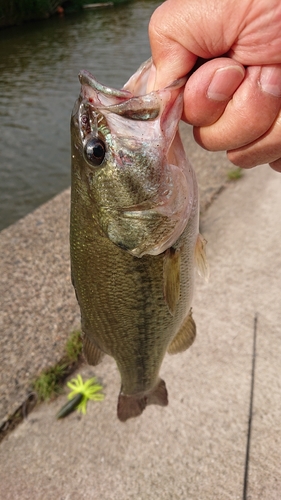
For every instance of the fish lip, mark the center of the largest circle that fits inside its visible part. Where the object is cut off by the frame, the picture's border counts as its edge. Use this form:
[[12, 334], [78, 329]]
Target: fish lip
[[86, 78]]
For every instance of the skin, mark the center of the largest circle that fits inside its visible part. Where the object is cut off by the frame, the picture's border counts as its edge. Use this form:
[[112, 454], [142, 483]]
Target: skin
[[233, 100]]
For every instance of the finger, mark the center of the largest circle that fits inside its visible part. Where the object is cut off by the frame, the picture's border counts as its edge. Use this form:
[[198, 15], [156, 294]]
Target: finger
[[266, 149], [276, 165], [173, 66], [209, 89], [181, 30], [249, 114], [171, 58]]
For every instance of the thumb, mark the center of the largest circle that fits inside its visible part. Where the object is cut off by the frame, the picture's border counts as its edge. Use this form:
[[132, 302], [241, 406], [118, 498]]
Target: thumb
[[171, 59]]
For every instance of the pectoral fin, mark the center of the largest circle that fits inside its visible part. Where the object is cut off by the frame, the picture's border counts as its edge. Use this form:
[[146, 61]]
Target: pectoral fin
[[91, 352], [200, 257], [171, 271], [185, 336]]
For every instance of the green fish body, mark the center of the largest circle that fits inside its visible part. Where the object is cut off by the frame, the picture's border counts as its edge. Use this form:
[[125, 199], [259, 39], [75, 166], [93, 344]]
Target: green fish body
[[134, 232]]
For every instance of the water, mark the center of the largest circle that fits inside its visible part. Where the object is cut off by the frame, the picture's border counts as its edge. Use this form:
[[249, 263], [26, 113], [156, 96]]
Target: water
[[39, 63]]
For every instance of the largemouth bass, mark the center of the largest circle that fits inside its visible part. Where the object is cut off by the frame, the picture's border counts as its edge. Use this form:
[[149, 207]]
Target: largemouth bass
[[134, 232]]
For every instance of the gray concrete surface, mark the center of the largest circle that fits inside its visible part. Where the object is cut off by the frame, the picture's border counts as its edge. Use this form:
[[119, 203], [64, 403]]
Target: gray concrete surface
[[38, 308], [195, 448]]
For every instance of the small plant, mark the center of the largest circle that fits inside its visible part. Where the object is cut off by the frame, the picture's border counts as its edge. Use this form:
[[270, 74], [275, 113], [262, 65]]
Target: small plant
[[74, 346], [80, 395], [234, 174], [48, 382]]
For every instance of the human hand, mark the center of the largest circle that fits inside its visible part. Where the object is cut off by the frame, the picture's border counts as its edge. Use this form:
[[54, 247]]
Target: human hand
[[231, 107]]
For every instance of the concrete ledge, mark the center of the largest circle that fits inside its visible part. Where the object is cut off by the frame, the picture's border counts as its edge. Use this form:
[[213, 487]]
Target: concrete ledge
[[38, 305]]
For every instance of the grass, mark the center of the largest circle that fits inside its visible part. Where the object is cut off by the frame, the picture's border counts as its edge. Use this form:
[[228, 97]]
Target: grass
[[74, 346], [234, 174], [49, 383]]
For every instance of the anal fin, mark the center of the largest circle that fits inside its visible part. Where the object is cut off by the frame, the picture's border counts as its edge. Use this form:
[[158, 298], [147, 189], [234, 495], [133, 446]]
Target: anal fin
[[91, 352], [185, 336]]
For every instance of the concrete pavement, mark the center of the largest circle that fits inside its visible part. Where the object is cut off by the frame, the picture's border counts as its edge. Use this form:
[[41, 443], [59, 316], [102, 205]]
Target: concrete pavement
[[195, 448]]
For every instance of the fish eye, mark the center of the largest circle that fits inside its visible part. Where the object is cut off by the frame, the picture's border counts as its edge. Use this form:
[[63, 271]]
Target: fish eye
[[95, 151]]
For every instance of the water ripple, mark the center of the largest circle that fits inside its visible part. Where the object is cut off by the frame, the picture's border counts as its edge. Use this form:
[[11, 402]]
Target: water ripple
[[39, 64]]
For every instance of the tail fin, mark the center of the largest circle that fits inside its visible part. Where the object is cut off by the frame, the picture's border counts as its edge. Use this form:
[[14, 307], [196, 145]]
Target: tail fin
[[130, 406], [159, 395], [133, 406]]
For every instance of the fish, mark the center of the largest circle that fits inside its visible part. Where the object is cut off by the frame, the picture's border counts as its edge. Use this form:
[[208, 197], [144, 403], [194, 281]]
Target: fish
[[134, 237]]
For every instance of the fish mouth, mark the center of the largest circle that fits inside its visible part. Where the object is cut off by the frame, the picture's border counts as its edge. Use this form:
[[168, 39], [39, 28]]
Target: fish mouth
[[134, 88], [122, 102], [132, 101]]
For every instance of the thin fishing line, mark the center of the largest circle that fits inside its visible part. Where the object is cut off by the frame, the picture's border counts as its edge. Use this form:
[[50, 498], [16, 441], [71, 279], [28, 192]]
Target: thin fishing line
[[248, 445]]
